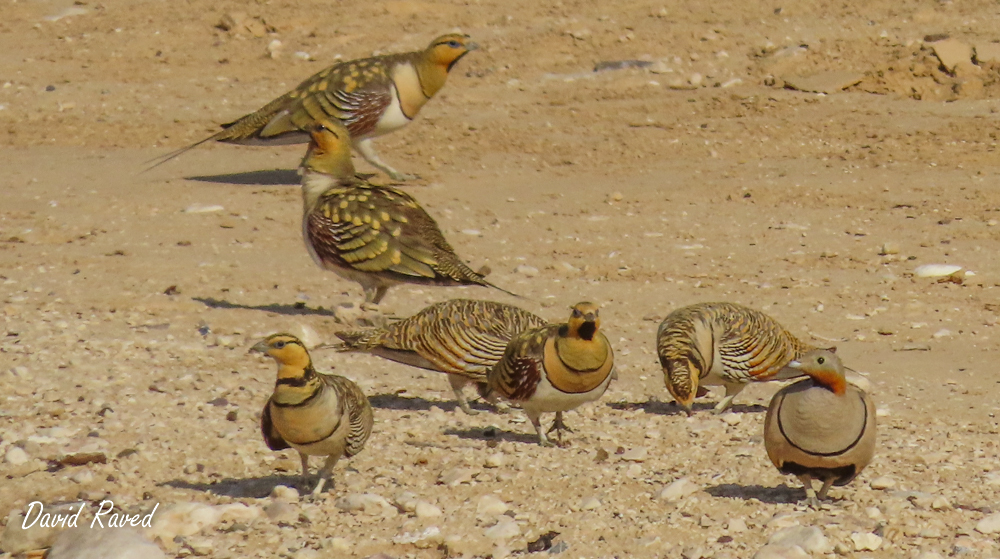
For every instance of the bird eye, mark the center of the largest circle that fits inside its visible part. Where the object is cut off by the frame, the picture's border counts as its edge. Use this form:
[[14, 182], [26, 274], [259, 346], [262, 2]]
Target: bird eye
[[821, 360], [577, 313], [454, 44], [279, 345]]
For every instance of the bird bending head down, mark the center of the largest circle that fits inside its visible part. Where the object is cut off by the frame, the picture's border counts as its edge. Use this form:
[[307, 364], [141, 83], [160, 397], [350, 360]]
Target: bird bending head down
[[329, 150]]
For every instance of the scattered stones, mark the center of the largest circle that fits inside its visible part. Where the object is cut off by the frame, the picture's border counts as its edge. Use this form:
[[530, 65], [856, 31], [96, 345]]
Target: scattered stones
[[16, 539], [778, 552], [285, 493], [951, 53], [824, 82], [368, 503], [637, 454], [282, 512], [118, 543], [989, 524], [737, 526], [678, 489], [426, 510], [731, 419], [866, 541], [987, 53], [504, 529], [455, 477]]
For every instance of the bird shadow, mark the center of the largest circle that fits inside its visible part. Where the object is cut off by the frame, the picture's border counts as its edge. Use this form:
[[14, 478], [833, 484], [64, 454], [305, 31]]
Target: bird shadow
[[771, 495], [492, 434], [397, 402], [657, 407], [297, 309], [269, 177], [251, 487]]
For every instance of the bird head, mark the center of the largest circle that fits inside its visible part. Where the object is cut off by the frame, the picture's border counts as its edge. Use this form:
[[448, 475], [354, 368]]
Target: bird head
[[329, 149], [824, 367], [286, 349], [446, 50], [584, 321], [681, 379]]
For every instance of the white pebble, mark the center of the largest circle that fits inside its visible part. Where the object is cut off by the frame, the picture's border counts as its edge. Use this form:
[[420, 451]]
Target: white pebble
[[737, 526], [989, 525], [590, 503], [82, 477], [865, 541], [427, 510], [202, 209], [15, 456], [637, 454], [678, 490], [527, 271], [490, 506], [731, 419], [504, 529], [883, 482]]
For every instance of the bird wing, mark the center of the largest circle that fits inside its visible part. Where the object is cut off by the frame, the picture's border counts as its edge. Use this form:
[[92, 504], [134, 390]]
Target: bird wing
[[271, 436], [754, 346], [356, 408], [517, 374], [383, 231]]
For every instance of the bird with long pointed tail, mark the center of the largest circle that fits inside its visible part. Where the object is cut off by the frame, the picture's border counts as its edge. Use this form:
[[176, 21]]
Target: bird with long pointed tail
[[464, 338], [722, 344], [370, 96], [555, 368], [821, 427], [316, 414], [376, 236]]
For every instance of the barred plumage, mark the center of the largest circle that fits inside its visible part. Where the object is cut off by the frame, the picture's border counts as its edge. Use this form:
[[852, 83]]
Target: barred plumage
[[316, 414], [462, 337], [821, 427], [722, 344], [374, 235], [555, 368], [370, 96]]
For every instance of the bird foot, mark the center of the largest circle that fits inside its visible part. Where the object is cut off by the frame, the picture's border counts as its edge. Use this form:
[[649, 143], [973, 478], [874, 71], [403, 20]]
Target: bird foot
[[402, 177]]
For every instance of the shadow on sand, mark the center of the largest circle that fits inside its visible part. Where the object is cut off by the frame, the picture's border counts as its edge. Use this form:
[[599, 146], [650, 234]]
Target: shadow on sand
[[297, 309], [251, 487], [271, 177], [671, 408], [771, 495]]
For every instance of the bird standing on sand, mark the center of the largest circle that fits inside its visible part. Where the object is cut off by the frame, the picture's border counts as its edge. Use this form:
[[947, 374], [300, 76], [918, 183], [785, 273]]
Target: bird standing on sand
[[820, 427], [370, 96], [373, 235], [317, 415], [461, 337], [555, 368], [722, 343]]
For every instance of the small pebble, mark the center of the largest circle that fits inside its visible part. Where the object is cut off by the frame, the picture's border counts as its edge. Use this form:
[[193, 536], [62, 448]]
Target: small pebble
[[15, 456], [883, 482], [527, 271], [866, 541], [427, 510]]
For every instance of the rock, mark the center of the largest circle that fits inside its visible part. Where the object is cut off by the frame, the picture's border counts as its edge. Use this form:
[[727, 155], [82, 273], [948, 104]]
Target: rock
[[117, 543], [989, 524], [590, 503], [737, 526], [731, 419], [307, 334], [203, 208], [677, 490], [489, 507], [936, 270], [369, 503], [15, 456], [82, 477], [16, 539], [637, 454], [406, 501], [778, 552], [307, 553], [951, 53], [274, 48], [940, 503], [823, 82], [809, 538], [282, 512], [238, 512], [504, 529], [865, 541], [430, 537], [201, 547], [987, 52], [858, 380], [527, 271], [495, 460], [285, 493], [183, 519], [455, 477], [929, 555], [882, 482], [340, 545], [427, 510], [692, 552]]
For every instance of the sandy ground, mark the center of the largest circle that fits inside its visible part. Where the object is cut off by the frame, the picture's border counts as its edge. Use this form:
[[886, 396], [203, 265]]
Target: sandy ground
[[641, 190]]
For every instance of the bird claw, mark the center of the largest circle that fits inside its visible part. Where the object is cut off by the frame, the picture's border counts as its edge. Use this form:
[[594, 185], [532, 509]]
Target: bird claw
[[402, 177]]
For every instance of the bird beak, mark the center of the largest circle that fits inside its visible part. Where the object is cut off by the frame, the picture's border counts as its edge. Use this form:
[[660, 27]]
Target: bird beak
[[472, 46], [794, 364], [590, 317], [259, 347]]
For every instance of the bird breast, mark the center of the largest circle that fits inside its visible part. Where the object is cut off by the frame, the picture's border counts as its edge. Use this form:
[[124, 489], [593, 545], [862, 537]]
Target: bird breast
[[577, 366], [819, 422]]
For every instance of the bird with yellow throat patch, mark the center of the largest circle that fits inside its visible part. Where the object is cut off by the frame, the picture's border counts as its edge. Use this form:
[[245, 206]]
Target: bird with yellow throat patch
[[370, 96], [555, 368], [723, 344], [377, 236], [316, 414]]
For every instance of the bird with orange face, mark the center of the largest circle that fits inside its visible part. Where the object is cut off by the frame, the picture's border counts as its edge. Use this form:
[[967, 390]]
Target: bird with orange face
[[555, 368], [370, 96]]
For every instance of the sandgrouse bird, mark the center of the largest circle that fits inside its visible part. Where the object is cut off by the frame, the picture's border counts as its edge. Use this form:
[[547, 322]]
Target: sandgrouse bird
[[722, 344], [462, 337], [374, 235], [370, 96], [820, 427], [317, 415], [555, 368]]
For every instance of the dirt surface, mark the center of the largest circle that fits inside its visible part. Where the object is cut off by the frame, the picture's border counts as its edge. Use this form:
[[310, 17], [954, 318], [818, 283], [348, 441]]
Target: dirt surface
[[699, 177]]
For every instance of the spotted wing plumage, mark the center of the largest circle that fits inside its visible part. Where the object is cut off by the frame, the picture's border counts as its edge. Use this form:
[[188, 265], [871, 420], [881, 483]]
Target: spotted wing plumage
[[356, 409], [383, 231], [517, 374]]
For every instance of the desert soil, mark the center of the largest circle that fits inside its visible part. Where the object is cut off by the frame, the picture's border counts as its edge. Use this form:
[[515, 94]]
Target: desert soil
[[127, 314]]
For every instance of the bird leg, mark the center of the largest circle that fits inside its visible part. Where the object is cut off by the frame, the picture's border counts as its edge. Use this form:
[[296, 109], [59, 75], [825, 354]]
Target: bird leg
[[457, 383], [559, 426], [811, 499], [325, 474], [731, 391], [534, 417], [367, 150], [827, 482], [304, 480]]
